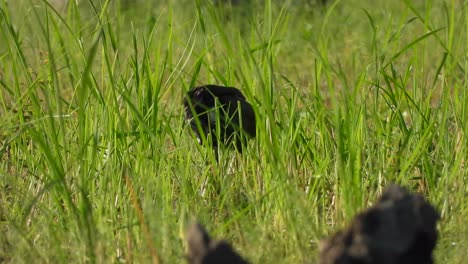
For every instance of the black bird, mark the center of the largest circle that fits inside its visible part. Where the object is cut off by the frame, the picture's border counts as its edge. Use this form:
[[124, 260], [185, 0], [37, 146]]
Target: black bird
[[210, 106]]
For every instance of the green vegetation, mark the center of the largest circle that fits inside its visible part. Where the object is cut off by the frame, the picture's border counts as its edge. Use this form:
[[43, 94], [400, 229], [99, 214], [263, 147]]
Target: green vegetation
[[98, 166]]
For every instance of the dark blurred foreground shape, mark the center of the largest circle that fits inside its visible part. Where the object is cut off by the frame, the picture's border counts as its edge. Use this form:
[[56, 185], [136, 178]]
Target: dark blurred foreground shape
[[399, 229], [208, 107], [204, 250]]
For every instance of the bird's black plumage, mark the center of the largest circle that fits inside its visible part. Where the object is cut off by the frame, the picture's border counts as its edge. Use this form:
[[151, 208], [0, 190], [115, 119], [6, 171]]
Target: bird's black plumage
[[208, 106]]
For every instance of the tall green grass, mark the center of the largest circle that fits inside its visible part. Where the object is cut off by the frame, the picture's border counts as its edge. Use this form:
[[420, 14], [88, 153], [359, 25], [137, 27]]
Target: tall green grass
[[97, 164]]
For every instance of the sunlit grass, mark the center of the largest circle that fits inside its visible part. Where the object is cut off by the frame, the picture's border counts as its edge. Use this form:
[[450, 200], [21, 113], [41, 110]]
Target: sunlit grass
[[97, 164]]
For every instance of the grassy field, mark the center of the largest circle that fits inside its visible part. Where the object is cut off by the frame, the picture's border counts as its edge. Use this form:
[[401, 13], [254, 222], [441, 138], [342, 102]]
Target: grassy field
[[98, 166]]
